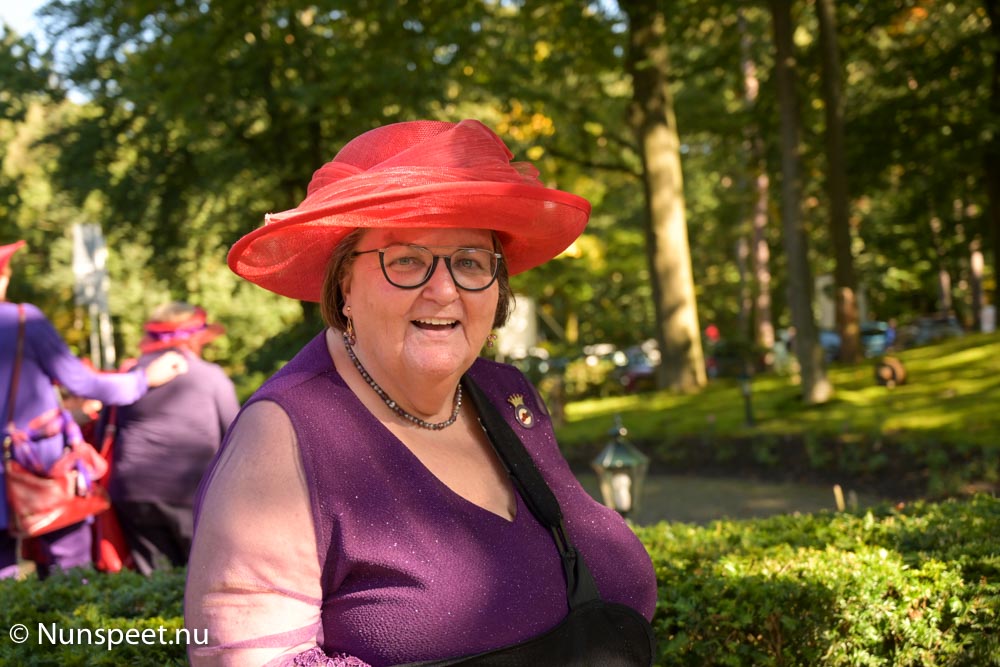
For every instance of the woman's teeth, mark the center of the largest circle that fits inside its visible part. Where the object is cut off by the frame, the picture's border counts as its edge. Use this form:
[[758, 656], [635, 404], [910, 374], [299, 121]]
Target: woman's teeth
[[434, 323]]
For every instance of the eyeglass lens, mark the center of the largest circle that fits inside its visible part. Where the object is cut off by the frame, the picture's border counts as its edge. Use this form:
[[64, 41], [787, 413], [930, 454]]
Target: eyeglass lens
[[411, 266]]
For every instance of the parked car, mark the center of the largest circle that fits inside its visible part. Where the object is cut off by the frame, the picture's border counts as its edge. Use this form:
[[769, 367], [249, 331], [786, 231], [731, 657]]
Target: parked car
[[875, 338], [830, 341], [929, 329], [637, 367]]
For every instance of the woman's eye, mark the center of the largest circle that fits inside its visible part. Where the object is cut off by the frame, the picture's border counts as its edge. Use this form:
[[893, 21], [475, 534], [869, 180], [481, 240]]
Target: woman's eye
[[408, 262], [472, 263]]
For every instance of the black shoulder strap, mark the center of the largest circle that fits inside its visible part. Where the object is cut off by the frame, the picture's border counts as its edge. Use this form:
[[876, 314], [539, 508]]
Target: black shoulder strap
[[537, 495], [510, 449]]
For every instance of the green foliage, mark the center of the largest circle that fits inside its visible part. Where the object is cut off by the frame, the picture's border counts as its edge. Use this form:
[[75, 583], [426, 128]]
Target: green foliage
[[584, 379], [25, 74], [86, 614], [190, 121], [912, 585]]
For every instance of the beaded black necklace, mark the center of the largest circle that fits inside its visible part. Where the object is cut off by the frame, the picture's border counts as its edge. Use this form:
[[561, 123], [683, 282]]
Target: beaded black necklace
[[395, 406]]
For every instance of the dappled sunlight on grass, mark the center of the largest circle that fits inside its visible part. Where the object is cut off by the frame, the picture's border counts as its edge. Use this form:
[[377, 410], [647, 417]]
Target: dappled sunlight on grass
[[952, 394], [975, 355], [606, 406]]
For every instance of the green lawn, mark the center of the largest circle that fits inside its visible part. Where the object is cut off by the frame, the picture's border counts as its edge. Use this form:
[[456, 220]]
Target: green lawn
[[950, 404]]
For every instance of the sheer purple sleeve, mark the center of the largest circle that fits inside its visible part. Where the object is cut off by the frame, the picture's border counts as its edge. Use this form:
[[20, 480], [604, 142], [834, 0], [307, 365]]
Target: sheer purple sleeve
[[253, 584]]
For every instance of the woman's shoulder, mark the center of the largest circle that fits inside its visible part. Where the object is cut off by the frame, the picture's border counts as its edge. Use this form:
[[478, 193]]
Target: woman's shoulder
[[31, 311], [506, 384], [210, 369], [486, 370], [264, 417], [36, 325]]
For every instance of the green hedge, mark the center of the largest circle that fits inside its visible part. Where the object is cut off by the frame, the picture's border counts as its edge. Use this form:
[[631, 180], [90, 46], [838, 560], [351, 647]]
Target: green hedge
[[93, 611], [916, 585]]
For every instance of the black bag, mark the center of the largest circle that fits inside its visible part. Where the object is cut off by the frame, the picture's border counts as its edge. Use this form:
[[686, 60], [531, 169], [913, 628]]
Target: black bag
[[595, 632]]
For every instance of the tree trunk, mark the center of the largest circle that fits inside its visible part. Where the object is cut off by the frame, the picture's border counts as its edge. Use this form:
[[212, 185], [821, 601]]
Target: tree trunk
[[944, 301], [991, 157], [651, 117], [976, 284], [945, 305], [761, 253], [816, 388], [845, 281], [762, 263], [746, 290]]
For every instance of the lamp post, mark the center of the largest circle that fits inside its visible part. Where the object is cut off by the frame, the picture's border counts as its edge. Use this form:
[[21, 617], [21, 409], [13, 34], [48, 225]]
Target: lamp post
[[746, 390], [621, 471]]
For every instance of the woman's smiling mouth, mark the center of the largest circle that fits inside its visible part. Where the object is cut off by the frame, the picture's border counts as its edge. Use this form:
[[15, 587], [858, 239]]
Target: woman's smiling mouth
[[435, 324]]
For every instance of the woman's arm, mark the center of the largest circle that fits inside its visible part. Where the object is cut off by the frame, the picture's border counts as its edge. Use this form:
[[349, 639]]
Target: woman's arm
[[53, 356], [254, 575]]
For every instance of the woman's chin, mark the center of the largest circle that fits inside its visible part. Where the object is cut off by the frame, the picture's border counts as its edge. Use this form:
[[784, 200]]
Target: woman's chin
[[439, 361]]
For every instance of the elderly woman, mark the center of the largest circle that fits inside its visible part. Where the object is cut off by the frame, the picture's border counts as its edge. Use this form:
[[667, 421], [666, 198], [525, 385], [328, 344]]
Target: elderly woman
[[165, 440], [378, 501], [30, 345]]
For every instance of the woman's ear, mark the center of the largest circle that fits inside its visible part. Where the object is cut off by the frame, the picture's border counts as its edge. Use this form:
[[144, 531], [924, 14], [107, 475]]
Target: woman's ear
[[345, 294]]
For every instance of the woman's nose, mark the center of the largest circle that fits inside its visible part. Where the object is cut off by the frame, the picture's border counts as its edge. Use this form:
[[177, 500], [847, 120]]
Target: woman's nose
[[441, 285]]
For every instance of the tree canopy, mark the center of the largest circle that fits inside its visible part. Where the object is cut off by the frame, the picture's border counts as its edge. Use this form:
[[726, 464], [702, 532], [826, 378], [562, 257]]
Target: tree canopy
[[177, 126]]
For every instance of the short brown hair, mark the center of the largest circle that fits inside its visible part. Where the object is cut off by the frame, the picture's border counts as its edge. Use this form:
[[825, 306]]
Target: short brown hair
[[339, 265]]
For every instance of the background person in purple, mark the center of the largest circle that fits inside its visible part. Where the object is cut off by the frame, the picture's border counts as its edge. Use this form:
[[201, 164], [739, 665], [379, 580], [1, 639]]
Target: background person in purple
[[165, 440], [357, 512], [47, 359]]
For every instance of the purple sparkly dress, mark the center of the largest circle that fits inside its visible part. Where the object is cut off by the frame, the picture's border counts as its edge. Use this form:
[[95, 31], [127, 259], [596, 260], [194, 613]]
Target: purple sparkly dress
[[411, 570]]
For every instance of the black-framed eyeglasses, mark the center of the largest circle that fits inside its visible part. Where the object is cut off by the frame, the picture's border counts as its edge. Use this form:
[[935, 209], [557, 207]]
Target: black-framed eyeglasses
[[410, 266]]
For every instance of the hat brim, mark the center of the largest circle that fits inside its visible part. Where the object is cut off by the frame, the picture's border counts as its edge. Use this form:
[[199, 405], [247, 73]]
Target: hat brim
[[289, 255], [7, 251], [200, 338]]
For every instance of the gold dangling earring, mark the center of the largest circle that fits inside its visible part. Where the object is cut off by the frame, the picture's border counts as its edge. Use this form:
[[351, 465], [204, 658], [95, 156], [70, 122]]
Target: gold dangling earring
[[352, 337], [491, 340]]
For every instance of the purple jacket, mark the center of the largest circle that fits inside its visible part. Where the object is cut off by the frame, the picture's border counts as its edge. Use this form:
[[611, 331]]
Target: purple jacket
[[412, 571], [167, 438], [47, 359]]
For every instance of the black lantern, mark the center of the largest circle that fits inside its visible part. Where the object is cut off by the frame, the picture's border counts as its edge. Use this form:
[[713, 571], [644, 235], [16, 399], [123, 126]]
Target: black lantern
[[621, 471]]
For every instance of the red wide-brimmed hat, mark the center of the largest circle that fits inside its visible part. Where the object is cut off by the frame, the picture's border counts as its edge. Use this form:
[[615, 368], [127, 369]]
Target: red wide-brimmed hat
[[194, 331], [417, 175], [7, 251]]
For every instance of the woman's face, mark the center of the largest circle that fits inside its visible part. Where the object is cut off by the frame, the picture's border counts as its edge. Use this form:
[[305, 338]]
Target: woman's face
[[436, 329]]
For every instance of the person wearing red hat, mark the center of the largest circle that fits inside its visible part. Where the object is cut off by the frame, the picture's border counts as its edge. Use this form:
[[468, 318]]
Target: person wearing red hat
[[44, 359], [389, 496], [165, 440]]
